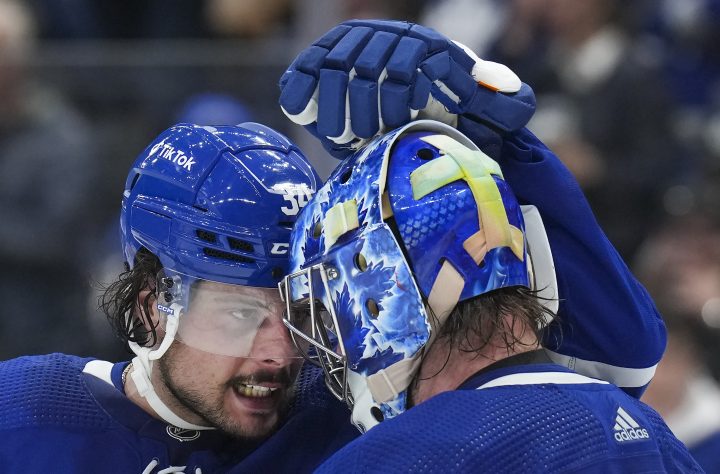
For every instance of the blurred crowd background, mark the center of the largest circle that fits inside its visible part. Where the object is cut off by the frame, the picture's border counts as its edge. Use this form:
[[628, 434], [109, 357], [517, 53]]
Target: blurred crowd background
[[628, 95]]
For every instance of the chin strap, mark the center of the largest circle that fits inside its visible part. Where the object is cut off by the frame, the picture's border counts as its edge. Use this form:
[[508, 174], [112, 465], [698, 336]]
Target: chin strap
[[142, 366], [141, 377]]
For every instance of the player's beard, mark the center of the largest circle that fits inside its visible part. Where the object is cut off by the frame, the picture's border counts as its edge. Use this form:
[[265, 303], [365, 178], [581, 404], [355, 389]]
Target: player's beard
[[207, 400]]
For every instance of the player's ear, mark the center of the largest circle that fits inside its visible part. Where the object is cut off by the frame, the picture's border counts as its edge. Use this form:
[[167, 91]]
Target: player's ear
[[146, 310]]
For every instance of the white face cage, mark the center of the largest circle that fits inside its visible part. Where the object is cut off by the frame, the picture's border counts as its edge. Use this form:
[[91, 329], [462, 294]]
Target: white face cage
[[311, 318]]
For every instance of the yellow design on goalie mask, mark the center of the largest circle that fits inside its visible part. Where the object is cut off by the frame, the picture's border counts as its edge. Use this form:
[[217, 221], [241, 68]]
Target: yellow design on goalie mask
[[340, 218], [477, 169]]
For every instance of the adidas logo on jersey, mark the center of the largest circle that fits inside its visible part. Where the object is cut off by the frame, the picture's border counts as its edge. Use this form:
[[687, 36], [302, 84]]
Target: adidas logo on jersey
[[627, 429]]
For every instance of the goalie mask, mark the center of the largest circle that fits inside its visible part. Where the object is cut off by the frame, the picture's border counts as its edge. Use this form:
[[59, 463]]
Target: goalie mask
[[402, 231], [215, 205]]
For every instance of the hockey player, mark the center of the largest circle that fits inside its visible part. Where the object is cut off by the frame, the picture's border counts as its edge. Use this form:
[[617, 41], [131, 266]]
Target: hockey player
[[205, 223], [415, 287], [419, 280]]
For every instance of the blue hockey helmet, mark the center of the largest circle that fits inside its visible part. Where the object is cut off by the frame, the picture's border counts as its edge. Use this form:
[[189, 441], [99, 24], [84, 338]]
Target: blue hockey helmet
[[416, 222], [217, 203]]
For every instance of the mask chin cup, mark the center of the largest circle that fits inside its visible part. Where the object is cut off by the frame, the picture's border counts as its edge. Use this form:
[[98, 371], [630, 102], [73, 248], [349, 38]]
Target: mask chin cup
[[363, 406], [543, 278]]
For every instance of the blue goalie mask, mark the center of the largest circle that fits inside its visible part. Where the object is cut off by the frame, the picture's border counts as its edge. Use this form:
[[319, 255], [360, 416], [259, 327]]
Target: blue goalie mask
[[216, 206], [402, 231]]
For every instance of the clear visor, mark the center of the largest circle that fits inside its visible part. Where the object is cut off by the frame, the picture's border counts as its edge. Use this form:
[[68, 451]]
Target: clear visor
[[225, 319], [310, 316]]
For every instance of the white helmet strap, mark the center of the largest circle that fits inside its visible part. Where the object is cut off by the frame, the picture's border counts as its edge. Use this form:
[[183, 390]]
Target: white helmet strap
[[142, 366]]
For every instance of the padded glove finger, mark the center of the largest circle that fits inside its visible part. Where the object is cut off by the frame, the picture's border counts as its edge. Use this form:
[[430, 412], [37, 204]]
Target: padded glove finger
[[365, 77]]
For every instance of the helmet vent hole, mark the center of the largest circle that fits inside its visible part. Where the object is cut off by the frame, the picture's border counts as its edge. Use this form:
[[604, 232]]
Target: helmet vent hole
[[360, 262], [425, 154], [346, 176], [215, 253], [277, 273], [372, 307], [317, 230], [240, 245], [134, 181], [206, 236], [377, 413]]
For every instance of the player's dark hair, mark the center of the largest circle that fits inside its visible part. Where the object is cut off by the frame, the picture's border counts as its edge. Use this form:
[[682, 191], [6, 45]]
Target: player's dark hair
[[129, 317], [496, 316]]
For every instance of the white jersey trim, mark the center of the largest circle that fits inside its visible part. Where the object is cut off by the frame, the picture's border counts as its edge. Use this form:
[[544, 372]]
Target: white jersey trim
[[537, 378], [100, 369], [620, 376]]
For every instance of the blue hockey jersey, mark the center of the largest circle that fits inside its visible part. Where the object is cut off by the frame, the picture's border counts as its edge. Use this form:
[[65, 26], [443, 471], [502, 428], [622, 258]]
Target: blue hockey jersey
[[707, 453], [527, 418], [54, 417]]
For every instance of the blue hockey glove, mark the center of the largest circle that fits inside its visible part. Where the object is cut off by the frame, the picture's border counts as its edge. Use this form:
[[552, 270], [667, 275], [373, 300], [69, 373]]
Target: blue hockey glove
[[366, 77]]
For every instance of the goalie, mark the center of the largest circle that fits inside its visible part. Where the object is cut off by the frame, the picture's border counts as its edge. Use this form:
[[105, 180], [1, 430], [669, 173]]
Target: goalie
[[415, 282]]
